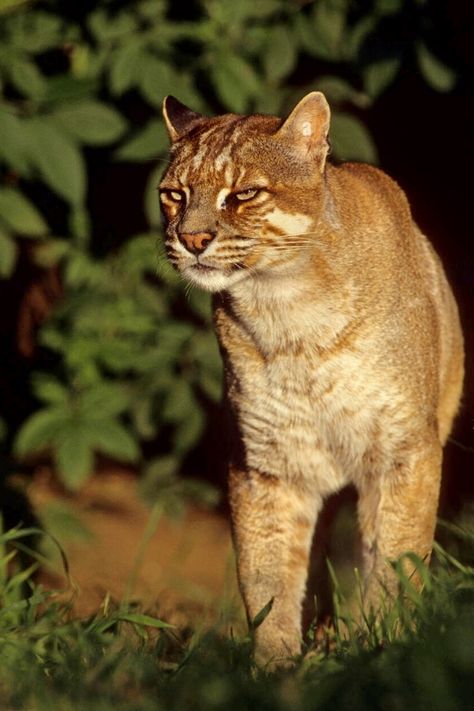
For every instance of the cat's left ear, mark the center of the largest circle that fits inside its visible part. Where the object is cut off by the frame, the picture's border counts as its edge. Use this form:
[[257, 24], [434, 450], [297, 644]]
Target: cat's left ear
[[178, 118], [307, 127]]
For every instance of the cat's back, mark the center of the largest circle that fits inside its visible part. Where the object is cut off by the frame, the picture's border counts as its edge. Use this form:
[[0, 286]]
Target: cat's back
[[401, 266], [390, 252], [370, 201]]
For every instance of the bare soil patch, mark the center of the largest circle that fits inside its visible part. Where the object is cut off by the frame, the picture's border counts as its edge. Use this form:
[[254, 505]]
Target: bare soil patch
[[185, 573]]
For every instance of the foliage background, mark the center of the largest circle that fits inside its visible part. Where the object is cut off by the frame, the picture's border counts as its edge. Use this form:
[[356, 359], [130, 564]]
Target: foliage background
[[102, 351]]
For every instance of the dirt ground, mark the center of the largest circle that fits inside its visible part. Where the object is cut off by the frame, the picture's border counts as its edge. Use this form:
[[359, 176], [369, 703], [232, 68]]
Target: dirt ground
[[183, 571]]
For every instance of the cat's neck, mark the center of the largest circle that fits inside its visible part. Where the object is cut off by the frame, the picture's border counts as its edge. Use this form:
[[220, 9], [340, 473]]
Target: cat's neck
[[300, 304]]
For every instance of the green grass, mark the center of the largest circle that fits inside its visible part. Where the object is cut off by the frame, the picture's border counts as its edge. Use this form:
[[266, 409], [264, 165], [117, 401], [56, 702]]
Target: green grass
[[420, 655]]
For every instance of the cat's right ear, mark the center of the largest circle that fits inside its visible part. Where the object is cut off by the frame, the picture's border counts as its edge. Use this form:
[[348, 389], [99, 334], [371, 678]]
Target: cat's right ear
[[178, 118], [306, 128]]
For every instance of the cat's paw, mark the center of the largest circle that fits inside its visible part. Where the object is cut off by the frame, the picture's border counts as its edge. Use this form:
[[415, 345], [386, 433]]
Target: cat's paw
[[275, 652]]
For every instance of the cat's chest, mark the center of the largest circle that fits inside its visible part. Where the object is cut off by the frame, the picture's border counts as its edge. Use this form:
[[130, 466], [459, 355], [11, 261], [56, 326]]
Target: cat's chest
[[300, 391], [303, 416]]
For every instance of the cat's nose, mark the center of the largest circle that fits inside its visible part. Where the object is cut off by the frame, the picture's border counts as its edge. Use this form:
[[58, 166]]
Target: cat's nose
[[196, 242]]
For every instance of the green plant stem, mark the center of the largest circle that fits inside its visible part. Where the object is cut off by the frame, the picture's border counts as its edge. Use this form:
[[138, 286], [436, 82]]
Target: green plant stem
[[150, 530]]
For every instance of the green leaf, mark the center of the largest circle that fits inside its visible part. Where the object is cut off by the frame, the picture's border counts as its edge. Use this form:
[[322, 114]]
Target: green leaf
[[38, 431], [146, 145], [139, 255], [179, 403], [42, 31], [235, 81], [144, 620], [81, 270], [174, 335], [104, 400], [388, 7], [58, 159], [13, 146], [379, 75], [356, 36], [113, 439], [90, 121], [66, 87], [211, 385], [156, 79], [50, 252], [329, 21], [108, 26], [200, 302], [437, 74], [85, 63], [20, 214], [60, 520], [80, 224], [73, 455], [189, 431], [124, 66], [280, 54], [7, 5], [260, 616], [269, 101], [351, 140], [120, 356], [143, 416], [8, 254], [238, 13], [304, 33], [50, 390], [161, 469], [26, 77]]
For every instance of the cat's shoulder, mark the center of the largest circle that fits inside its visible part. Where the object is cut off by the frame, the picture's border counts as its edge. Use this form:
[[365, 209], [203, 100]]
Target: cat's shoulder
[[372, 187], [368, 176]]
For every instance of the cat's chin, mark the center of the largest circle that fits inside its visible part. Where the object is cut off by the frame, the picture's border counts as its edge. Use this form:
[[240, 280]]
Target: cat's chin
[[212, 279]]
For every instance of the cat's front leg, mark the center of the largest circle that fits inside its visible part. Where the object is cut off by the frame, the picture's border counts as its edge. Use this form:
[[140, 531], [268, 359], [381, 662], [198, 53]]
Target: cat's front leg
[[273, 523]]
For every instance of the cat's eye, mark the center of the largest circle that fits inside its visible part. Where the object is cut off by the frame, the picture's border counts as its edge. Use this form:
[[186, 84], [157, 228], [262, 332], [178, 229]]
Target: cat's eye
[[173, 195], [247, 194]]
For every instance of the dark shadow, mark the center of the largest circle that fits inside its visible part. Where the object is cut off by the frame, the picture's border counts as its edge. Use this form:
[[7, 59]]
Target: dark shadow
[[336, 538]]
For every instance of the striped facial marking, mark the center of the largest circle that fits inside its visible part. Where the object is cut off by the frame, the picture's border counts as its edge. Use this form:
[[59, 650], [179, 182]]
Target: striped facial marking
[[289, 223], [221, 198], [220, 183]]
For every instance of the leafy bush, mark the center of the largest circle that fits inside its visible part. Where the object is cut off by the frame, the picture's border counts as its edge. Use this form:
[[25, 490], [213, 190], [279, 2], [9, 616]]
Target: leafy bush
[[128, 360]]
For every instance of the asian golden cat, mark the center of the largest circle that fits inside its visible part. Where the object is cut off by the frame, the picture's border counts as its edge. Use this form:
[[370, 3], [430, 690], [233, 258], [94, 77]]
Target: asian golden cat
[[341, 341]]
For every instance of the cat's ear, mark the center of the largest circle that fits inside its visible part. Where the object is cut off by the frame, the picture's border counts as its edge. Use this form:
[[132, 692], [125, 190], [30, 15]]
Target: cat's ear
[[307, 127], [178, 118]]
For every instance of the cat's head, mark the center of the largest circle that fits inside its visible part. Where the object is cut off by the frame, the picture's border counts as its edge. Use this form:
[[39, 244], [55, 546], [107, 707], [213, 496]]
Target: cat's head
[[242, 194]]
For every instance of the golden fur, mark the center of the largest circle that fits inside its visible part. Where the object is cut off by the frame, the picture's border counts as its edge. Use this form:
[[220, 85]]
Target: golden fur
[[341, 340]]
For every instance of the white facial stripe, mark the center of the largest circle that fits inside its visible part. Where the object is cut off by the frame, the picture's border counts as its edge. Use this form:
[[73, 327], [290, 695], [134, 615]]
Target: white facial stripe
[[200, 154], [289, 223], [221, 196], [184, 175], [228, 174], [223, 159]]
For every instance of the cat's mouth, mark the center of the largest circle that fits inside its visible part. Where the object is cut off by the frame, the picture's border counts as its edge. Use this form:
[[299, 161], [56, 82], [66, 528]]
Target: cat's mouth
[[203, 268], [211, 277]]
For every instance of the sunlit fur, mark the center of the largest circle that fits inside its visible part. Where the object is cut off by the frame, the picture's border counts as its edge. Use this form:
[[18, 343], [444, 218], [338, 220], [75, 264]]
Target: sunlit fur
[[341, 340]]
